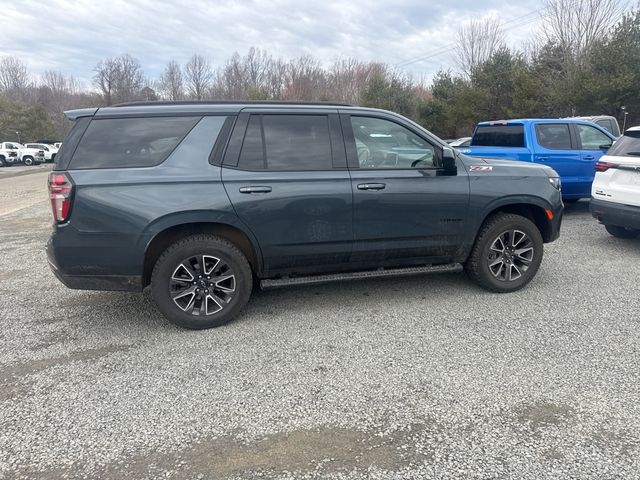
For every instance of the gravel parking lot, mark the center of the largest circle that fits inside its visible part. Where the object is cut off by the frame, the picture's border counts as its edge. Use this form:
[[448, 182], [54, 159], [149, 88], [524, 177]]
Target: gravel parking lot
[[423, 377]]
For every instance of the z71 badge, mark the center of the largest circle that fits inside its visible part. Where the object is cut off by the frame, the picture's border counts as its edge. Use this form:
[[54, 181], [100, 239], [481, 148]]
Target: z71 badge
[[480, 168]]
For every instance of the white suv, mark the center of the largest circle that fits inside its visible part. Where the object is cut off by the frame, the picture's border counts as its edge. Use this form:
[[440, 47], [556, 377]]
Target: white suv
[[615, 194]]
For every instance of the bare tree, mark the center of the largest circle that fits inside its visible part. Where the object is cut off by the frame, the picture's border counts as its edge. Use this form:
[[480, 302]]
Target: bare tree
[[119, 79], [171, 83], [199, 76], [477, 41], [574, 26], [14, 76]]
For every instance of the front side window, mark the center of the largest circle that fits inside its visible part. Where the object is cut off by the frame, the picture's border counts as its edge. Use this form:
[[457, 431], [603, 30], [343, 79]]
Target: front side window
[[385, 144], [591, 138], [554, 136], [130, 142], [287, 142]]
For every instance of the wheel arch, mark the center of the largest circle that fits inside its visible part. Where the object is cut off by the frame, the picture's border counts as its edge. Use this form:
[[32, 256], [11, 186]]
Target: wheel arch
[[172, 233], [531, 208]]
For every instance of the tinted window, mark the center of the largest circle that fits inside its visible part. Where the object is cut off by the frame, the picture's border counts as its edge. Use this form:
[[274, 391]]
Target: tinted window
[[554, 136], [70, 142], [130, 142], [252, 153], [591, 138], [291, 142], [499, 136], [384, 144], [626, 146]]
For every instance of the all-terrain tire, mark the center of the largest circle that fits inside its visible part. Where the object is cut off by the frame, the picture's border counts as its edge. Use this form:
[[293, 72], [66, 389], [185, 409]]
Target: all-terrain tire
[[192, 248], [482, 255]]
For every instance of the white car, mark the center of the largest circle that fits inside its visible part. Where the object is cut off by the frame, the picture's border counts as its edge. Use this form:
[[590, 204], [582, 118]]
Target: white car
[[50, 151], [28, 156], [615, 194], [8, 157]]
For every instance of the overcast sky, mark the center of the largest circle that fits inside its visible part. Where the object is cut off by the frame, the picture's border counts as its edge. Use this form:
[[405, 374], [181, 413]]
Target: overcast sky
[[72, 36]]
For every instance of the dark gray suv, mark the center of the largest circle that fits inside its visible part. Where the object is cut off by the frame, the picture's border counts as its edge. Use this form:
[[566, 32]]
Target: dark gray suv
[[200, 201]]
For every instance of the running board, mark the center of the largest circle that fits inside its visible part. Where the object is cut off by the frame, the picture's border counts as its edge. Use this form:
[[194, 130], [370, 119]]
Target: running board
[[338, 277]]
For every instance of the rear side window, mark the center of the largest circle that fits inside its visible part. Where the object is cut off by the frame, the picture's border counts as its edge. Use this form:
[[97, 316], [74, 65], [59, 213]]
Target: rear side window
[[554, 136], [498, 136], [626, 146], [287, 142], [130, 142]]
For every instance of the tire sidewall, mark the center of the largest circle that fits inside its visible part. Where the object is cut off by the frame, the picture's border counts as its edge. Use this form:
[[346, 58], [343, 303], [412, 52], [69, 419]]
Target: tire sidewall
[[490, 236], [28, 161], [166, 266]]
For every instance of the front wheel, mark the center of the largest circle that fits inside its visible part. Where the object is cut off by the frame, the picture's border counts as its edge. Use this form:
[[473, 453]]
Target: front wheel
[[201, 281], [621, 232], [507, 253], [28, 161]]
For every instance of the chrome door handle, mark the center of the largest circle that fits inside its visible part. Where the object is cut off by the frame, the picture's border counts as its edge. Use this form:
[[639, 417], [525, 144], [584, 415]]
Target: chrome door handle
[[371, 186], [255, 189]]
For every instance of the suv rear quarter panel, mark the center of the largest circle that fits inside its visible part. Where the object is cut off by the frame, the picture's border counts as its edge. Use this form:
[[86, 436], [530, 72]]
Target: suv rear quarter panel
[[119, 211]]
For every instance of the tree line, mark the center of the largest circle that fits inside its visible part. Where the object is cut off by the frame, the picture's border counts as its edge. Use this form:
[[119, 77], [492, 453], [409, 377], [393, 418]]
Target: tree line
[[584, 61]]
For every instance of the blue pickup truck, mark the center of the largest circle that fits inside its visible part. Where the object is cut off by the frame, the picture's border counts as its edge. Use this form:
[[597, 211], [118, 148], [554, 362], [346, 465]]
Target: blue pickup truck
[[570, 146]]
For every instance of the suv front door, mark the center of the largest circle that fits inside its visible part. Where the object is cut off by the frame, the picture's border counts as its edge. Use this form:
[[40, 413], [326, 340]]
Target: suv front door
[[405, 210], [286, 175], [593, 144]]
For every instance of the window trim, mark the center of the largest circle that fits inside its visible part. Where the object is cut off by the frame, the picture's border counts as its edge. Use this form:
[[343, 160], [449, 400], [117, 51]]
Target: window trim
[[572, 145], [234, 160], [352, 152], [222, 142]]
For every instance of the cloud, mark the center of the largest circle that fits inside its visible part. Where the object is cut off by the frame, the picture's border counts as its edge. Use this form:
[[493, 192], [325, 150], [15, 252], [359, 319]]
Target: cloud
[[72, 36]]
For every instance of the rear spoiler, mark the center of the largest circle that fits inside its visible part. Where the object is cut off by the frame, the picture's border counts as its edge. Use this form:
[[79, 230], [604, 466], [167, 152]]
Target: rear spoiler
[[80, 112]]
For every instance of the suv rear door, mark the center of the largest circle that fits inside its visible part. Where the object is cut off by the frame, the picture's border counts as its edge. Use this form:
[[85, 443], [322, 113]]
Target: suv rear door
[[286, 175], [405, 211], [558, 149], [593, 143]]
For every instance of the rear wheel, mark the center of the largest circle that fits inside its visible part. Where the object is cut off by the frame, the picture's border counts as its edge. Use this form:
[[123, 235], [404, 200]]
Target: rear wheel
[[202, 281], [507, 253], [621, 232], [2, 162]]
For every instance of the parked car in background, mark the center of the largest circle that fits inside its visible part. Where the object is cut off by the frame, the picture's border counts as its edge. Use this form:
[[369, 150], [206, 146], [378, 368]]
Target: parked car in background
[[461, 142], [49, 150], [28, 156], [609, 123], [282, 194], [571, 147], [8, 157], [616, 187]]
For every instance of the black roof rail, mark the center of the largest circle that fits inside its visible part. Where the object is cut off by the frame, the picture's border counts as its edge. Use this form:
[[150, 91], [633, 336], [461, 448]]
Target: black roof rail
[[231, 102]]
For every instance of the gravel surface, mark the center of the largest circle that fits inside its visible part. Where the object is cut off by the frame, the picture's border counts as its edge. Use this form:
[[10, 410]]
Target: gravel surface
[[423, 377]]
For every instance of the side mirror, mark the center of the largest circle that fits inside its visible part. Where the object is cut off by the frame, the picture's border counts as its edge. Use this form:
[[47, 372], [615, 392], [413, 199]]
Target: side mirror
[[605, 146], [449, 162]]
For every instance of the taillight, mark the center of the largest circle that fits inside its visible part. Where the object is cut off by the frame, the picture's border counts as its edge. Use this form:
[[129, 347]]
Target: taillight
[[604, 166], [60, 190]]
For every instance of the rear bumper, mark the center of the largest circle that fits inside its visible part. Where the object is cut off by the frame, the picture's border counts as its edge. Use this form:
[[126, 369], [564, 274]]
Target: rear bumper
[[70, 265], [610, 213]]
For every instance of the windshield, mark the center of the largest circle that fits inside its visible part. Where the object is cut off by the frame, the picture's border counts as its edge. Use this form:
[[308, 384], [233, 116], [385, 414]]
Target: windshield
[[626, 146]]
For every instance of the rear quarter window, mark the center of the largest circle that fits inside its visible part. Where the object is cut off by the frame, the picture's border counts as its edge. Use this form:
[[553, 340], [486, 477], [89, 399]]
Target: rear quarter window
[[130, 142], [499, 136]]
